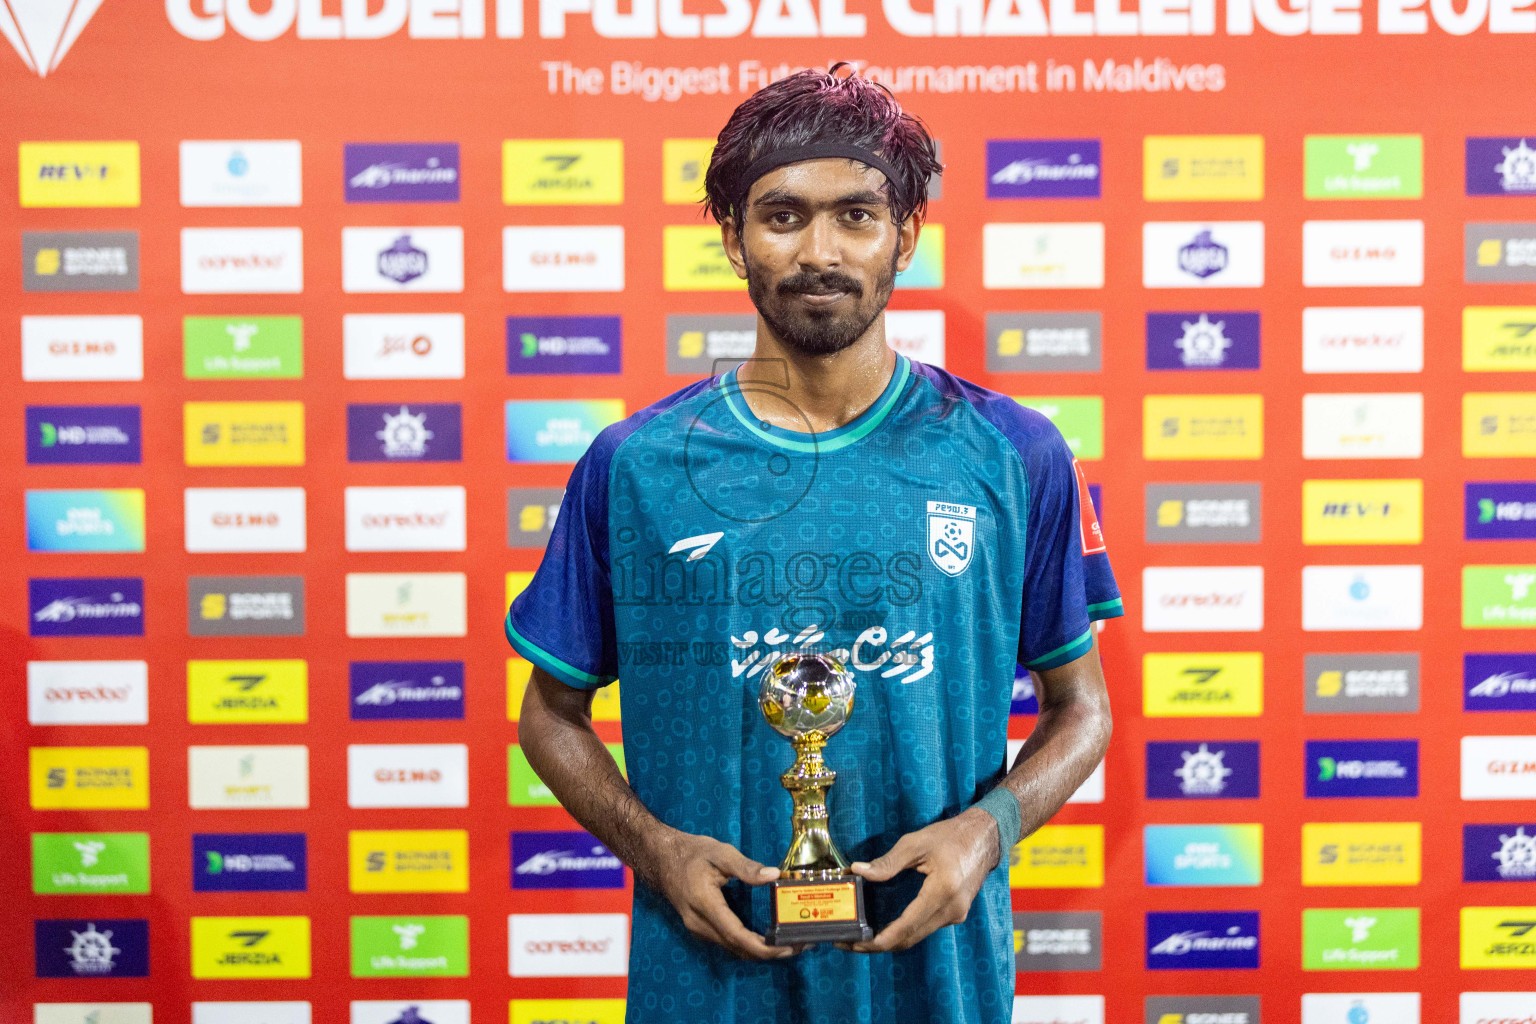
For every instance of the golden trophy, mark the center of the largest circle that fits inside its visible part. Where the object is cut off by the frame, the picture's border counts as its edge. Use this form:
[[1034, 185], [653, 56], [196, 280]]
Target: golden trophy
[[808, 697]]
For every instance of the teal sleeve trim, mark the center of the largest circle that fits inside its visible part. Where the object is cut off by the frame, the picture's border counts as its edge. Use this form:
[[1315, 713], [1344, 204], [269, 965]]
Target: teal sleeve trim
[[568, 674], [1106, 609], [1004, 808], [1066, 652]]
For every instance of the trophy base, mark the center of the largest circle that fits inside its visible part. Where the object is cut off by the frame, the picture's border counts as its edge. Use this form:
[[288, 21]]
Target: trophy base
[[818, 911]]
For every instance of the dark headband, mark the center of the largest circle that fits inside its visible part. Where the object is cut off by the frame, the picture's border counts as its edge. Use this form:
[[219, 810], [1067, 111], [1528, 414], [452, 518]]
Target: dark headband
[[772, 161]]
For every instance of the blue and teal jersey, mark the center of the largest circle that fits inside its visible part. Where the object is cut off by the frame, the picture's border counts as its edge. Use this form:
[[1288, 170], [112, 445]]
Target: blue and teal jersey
[[935, 541]]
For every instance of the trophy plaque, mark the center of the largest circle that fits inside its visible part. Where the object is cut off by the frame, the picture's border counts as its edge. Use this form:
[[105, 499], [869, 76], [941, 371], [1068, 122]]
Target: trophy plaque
[[808, 697]]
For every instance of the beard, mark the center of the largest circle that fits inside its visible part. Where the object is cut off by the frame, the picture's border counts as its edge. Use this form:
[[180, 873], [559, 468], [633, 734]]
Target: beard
[[819, 332]]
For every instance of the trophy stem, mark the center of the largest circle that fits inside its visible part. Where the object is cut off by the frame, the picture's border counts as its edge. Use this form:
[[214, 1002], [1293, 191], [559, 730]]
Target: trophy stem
[[812, 854]]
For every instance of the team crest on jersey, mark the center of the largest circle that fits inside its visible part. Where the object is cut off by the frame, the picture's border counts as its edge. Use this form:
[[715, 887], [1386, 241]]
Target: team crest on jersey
[[951, 536]]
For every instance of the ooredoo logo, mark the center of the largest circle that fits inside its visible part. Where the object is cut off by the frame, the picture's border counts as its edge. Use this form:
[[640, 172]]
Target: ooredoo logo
[[405, 518], [242, 261], [568, 945], [87, 692], [1204, 599]]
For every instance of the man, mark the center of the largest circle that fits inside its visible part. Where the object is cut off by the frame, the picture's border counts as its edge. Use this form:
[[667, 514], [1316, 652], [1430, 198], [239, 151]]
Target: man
[[827, 493]]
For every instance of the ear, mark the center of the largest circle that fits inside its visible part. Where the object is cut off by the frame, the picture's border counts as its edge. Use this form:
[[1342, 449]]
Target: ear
[[906, 241], [730, 238]]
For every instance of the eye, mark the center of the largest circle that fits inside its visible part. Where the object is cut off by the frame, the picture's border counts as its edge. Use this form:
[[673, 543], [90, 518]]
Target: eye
[[781, 217]]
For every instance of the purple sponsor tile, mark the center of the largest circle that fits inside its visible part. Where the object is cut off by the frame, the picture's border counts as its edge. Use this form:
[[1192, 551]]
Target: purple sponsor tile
[[1498, 682], [407, 690], [1501, 166], [563, 344], [81, 435], [1203, 340], [1025, 702], [1502, 510], [402, 172], [1207, 940], [1362, 768], [405, 432], [86, 606], [1043, 169], [563, 860], [1498, 853], [99, 947], [250, 862], [1203, 770]]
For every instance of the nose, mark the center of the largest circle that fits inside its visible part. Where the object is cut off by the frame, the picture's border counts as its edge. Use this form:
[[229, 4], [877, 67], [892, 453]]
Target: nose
[[819, 247]]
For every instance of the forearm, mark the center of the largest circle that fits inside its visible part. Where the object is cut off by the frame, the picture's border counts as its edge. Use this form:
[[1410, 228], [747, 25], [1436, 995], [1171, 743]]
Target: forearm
[[1068, 742]]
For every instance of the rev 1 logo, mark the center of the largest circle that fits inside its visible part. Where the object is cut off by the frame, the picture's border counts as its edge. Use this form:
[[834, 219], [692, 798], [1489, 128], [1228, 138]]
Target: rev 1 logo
[[568, 945], [102, 948], [1202, 941], [250, 862], [1362, 768], [1503, 510], [1500, 166], [563, 344], [423, 172], [1043, 169], [1209, 770], [81, 435], [1203, 341], [415, 690], [390, 432], [1072, 941], [1498, 853], [86, 606], [563, 860], [1498, 682], [1205, 1010]]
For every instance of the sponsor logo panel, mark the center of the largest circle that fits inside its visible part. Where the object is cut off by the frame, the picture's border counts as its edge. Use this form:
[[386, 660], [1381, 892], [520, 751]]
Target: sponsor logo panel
[[401, 172], [419, 1011], [605, 701], [1210, 940], [1498, 424], [85, 520], [91, 1013], [571, 259], [1361, 853], [1362, 511], [526, 789], [88, 693], [1183, 855], [247, 778], [429, 946], [567, 945], [531, 514], [80, 348], [242, 261], [1203, 1010], [1499, 682], [78, 174], [562, 172], [1362, 597], [1080, 420], [683, 165], [917, 334], [694, 260], [1071, 941], [1362, 768], [80, 261], [1203, 599], [1362, 683], [242, 347], [406, 518], [249, 172], [88, 778], [1383, 1007], [1498, 596], [1496, 1007], [1498, 767], [407, 775], [404, 346], [1204, 513], [1203, 685], [1045, 342], [1364, 167], [1052, 255], [701, 344], [406, 690], [1059, 857], [402, 259], [1500, 252], [1362, 253], [563, 860], [1202, 427], [1498, 937], [1500, 166], [1501, 510], [243, 433], [564, 344], [1202, 254], [250, 862], [69, 863], [556, 431], [1498, 853], [1362, 339], [1495, 338], [98, 948], [1203, 770], [238, 692], [385, 604], [250, 947], [1203, 341], [1043, 169], [86, 606], [83, 435], [408, 861], [586, 1011], [1058, 1009], [251, 1013], [1362, 426], [1176, 168], [245, 606], [244, 519]]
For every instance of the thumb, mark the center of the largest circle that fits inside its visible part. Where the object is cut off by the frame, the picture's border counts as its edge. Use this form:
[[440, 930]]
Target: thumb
[[736, 864], [905, 854]]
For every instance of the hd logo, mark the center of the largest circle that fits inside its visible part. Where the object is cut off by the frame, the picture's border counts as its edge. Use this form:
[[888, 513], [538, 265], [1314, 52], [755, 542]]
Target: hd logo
[[562, 172], [250, 947]]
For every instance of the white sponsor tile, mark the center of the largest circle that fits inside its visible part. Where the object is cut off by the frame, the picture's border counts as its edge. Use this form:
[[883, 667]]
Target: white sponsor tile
[[402, 259], [1362, 426], [88, 692], [1362, 253], [1202, 254], [562, 259], [405, 518], [1498, 768], [568, 945], [244, 519], [82, 348], [250, 172], [247, 778], [1202, 599], [242, 261], [1042, 255], [1362, 339], [402, 346], [407, 775], [1362, 597]]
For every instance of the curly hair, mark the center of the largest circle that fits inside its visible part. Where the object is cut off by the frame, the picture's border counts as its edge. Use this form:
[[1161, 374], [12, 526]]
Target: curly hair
[[818, 107]]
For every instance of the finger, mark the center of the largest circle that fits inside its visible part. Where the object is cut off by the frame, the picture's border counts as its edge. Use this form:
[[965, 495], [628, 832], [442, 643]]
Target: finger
[[732, 934], [905, 854], [735, 864], [921, 918]]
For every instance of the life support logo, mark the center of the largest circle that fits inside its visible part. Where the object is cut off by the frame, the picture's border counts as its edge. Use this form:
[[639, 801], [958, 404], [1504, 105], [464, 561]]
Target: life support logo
[[951, 536]]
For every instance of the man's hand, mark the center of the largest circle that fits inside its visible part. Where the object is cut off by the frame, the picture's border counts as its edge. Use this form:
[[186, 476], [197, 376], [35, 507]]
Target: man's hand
[[691, 873], [956, 854]]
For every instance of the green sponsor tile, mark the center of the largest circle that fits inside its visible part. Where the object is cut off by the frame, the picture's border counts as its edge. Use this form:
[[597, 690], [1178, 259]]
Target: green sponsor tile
[[1364, 167], [426, 946], [90, 862], [1080, 420], [1498, 596], [526, 789], [1369, 939], [242, 347]]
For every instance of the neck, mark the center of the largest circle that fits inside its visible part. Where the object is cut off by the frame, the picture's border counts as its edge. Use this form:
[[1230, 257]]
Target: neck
[[829, 390]]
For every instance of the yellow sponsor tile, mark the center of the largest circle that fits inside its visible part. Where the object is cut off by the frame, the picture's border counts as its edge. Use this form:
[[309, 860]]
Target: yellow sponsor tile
[[1361, 853], [605, 701], [1203, 685], [220, 692], [1498, 937], [683, 164], [693, 260], [78, 173], [1497, 338], [1498, 424], [1202, 426], [89, 778], [1202, 167], [1362, 511], [562, 172], [1059, 857], [250, 947], [433, 860], [548, 1011], [243, 433]]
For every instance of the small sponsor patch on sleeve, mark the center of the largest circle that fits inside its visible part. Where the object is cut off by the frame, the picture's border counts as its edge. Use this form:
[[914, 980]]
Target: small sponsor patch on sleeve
[[1091, 533]]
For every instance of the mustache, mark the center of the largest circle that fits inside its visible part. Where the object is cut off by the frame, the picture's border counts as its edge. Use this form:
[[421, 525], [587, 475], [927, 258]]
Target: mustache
[[808, 282]]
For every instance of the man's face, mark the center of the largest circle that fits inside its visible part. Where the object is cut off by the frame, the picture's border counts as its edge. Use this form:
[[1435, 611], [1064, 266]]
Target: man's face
[[819, 252]]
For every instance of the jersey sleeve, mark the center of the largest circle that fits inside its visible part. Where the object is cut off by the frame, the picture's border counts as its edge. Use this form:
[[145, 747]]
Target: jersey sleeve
[[563, 620], [1068, 582]]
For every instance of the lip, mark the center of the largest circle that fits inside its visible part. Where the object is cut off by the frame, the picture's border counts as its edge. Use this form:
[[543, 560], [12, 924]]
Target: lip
[[823, 299]]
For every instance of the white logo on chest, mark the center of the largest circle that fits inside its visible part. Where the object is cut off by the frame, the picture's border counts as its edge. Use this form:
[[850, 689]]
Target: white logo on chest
[[951, 536]]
